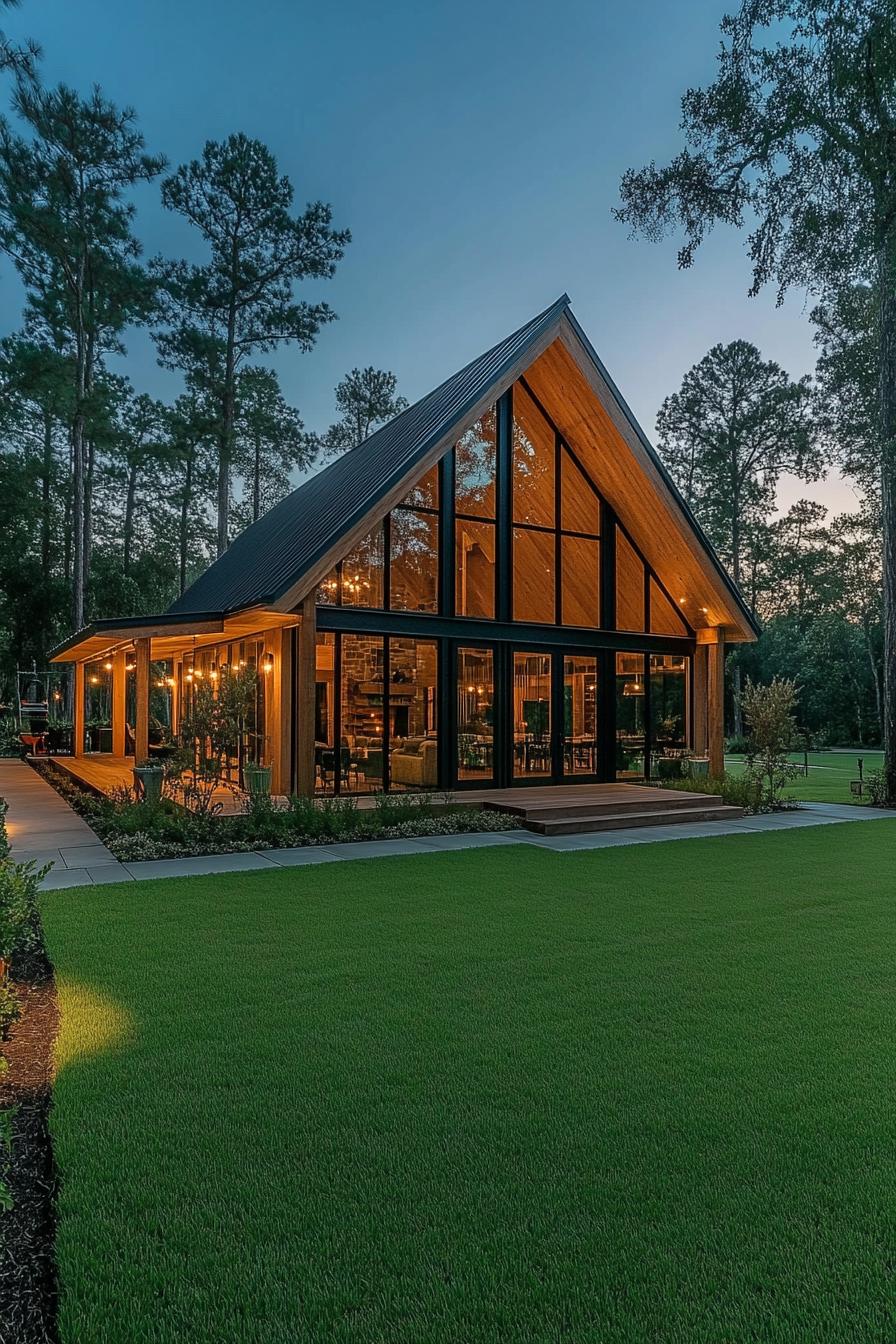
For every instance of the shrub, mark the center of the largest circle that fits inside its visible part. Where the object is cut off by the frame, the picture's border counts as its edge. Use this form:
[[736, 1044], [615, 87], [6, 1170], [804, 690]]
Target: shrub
[[770, 712], [21, 949], [877, 788], [737, 745], [10, 742], [734, 790]]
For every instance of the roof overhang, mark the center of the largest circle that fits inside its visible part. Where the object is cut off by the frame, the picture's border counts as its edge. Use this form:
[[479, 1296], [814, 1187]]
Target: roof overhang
[[169, 634]]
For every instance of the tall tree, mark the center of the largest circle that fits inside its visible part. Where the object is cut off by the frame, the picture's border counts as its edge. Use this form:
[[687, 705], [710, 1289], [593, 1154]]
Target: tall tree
[[137, 448], [22, 58], [242, 301], [798, 134], [270, 443], [66, 222], [365, 399], [736, 424], [193, 437], [847, 375]]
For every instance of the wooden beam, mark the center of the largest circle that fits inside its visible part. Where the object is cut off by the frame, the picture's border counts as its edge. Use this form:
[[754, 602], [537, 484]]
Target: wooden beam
[[142, 649], [119, 702], [715, 707], [701, 740], [279, 727], [78, 711], [176, 674], [306, 673]]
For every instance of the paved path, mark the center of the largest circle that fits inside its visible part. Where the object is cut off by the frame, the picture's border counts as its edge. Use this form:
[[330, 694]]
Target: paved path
[[42, 826]]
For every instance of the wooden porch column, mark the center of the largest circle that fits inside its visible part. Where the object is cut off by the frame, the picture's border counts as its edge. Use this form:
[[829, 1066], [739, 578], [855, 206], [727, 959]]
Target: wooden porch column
[[714, 641], [176, 675], [78, 711], [281, 726], [141, 674], [305, 698], [119, 702], [701, 741]]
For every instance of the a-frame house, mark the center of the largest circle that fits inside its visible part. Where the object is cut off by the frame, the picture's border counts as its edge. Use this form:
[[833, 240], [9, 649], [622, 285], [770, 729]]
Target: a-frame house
[[500, 587]]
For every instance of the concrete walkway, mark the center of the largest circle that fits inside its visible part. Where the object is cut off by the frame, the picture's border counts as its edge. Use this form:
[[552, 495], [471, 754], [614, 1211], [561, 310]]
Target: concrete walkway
[[43, 827]]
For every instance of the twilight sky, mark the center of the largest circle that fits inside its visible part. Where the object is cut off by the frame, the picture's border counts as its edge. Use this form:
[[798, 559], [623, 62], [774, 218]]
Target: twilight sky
[[474, 148]]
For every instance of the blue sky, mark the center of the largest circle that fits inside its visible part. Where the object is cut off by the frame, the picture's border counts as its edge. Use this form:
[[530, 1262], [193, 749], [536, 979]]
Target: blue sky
[[475, 151]]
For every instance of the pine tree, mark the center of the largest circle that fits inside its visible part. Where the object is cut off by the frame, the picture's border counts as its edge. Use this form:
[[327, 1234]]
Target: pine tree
[[242, 301]]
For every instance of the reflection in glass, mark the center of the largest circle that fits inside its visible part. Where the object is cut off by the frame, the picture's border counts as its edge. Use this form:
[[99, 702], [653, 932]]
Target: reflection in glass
[[630, 721], [425, 494], [533, 462], [474, 468], [580, 572], [580, 715], [531, 715], [413, 714], [328, 590], [362, 572], [475, 714], [414, 542], [475, 569], [533, 575]]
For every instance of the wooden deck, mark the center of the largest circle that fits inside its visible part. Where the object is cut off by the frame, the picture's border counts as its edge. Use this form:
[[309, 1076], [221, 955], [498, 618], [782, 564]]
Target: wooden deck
[[103, 773], [552, 809]]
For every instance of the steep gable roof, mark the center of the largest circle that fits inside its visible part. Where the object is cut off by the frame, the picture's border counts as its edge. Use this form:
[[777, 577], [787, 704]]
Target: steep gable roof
[[272, 555], [277, 560]]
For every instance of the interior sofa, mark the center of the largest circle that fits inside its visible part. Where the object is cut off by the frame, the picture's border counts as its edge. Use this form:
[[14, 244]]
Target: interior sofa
[[415, 762]]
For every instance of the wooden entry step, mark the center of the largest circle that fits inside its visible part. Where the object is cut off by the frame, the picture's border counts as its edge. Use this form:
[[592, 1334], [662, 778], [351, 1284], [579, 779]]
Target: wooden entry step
[[606, 807]]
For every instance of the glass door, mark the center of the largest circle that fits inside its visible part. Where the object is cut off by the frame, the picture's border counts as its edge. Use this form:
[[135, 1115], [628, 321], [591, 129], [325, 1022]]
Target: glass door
[[531, 717], [631, 719], [475, 715], [580, 737]]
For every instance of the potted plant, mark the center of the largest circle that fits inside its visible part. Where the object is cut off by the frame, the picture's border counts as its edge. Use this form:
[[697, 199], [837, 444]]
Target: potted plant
[[698, 767], [257, 779], [148, 777]]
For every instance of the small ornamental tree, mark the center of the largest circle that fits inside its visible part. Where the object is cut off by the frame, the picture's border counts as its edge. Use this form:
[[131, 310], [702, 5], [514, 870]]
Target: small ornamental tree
[[769, 711]]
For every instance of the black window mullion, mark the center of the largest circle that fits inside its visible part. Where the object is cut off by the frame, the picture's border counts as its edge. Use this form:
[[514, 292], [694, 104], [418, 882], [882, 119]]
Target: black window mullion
[[386, 734], [648, 719], [558, 541], [447, 540], [504, 507], [387, 559], [607, 612], [337, 717]]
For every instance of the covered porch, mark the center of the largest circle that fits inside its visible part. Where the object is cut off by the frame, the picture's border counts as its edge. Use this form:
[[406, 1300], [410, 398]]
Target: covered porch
[[133, 683]]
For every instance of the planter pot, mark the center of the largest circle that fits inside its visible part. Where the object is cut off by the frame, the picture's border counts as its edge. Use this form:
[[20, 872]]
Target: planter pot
[[148, 782], [698, 767], [669, 767], [257, 779]]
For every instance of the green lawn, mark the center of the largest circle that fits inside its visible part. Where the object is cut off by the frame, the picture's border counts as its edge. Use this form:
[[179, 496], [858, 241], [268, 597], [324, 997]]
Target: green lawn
[[829, 774], [644, 1094]]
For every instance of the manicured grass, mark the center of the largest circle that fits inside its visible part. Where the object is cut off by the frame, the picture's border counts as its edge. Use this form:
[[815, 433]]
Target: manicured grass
[[644, 1094], [829, 774]]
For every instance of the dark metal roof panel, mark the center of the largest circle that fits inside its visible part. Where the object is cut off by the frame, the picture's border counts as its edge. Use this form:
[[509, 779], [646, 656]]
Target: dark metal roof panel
[[271, 556]]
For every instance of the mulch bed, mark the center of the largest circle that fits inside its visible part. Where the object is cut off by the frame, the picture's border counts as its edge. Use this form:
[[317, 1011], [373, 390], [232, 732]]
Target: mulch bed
[[28, 1289]]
